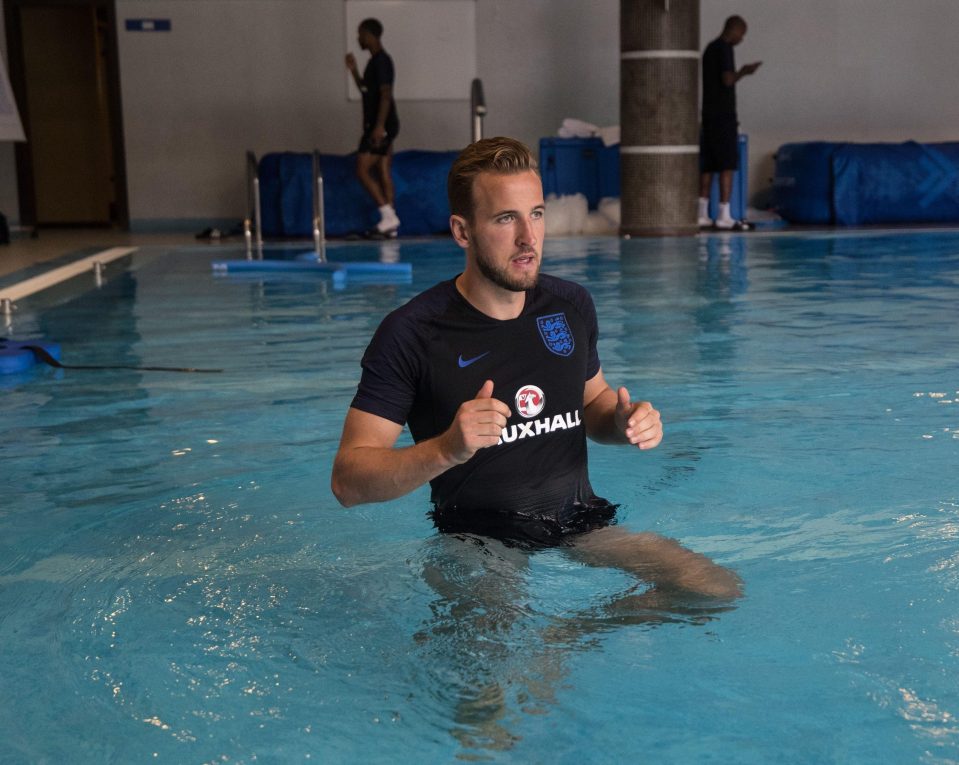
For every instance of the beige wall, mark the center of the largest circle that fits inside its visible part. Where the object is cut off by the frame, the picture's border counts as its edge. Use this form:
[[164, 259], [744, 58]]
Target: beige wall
[[267, 75], [843, 70]]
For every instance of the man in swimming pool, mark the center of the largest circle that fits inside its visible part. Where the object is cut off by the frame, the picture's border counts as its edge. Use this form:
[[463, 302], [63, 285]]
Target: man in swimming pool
[[496, 373], [381, 124]]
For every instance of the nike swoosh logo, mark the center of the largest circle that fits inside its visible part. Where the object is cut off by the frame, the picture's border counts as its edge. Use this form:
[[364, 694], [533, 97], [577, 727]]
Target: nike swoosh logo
[[466, 362]]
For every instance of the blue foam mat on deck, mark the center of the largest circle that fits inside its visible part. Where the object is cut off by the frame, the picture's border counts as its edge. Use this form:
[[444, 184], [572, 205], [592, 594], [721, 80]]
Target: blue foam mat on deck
[[849, 184], [286, 194]]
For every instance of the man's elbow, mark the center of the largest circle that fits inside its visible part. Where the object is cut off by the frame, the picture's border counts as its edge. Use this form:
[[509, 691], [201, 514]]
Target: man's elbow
[[342, 490]]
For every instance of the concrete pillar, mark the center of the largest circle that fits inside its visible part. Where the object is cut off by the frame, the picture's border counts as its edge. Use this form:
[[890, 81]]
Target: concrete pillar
[[659, 116]]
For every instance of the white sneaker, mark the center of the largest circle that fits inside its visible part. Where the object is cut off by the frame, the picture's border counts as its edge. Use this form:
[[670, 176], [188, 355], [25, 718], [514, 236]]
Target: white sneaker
[[725, 224], [705, 221], [389, 221]]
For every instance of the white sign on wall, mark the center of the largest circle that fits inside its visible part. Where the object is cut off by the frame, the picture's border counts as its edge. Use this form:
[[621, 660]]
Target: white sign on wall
[[432, 44], [11, 128]]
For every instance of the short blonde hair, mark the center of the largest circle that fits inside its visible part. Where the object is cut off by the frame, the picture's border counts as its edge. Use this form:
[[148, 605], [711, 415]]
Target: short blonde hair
[[488, 155]]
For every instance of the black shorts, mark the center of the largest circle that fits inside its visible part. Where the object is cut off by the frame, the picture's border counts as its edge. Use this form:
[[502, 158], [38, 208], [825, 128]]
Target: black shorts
[[718, 143], [530, 532], [381, 149]]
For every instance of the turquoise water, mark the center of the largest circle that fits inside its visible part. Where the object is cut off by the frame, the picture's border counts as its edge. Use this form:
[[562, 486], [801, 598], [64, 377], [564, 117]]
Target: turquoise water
[[177, 583]]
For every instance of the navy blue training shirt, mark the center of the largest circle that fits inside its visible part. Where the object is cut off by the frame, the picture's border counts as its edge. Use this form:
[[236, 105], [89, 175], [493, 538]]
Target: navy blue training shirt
[[432, 354]]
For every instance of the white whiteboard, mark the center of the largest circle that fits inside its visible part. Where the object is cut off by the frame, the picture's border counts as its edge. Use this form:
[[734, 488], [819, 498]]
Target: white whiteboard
[[10, 127], [432, 44]]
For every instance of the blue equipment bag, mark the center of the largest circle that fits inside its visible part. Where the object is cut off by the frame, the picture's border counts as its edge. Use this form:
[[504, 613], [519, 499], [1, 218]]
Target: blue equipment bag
[[579, 166], [802, 185]]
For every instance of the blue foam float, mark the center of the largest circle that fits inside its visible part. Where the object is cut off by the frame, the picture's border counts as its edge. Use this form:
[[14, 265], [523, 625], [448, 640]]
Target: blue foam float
[[309, 263], [14, 357]]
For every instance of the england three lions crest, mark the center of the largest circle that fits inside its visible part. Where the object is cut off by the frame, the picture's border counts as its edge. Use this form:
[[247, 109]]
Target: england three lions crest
[[556, 333]]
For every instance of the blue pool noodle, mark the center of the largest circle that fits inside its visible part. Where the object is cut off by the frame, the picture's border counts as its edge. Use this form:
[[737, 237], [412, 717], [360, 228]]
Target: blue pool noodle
[[340, 272]]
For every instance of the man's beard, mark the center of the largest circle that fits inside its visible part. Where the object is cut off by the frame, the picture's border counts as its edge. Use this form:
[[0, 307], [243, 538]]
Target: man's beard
[[501, 276]]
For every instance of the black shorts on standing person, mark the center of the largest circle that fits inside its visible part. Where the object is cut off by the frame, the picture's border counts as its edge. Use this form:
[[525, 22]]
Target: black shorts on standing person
[[718, 144]]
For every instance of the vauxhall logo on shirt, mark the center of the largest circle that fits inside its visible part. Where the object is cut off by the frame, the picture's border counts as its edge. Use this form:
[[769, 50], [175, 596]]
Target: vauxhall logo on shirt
[[530, 401]]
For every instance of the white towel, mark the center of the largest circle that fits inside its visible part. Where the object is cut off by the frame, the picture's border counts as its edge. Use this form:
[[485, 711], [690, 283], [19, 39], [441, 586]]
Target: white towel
[[574, 128], [610, 135]]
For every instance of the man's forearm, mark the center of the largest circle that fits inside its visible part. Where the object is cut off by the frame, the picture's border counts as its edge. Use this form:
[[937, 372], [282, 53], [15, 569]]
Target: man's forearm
[[731, 78], [600, 419], [377, 474]]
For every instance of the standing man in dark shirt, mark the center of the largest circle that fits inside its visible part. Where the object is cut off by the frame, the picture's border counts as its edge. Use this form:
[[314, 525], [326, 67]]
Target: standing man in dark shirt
[[381, 124], [718, 140], [497, 375]]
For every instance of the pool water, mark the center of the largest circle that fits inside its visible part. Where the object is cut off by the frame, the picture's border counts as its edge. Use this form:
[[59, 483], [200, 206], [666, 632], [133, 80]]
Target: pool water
[[177, 583]]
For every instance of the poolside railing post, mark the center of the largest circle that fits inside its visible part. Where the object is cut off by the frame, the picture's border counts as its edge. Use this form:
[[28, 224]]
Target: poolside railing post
[[6, 308], [259, 217], [319, 223], [477, 108], [254, 216], [318, 244], [248, 237]]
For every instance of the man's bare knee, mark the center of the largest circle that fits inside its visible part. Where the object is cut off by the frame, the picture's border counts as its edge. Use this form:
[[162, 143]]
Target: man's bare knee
[[659, 560]]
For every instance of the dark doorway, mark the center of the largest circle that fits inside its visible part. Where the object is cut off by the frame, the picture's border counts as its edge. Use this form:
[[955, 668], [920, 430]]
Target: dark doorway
[[64, 70]]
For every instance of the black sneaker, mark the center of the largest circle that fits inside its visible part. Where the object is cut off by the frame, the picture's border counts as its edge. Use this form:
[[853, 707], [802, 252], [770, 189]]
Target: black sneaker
[[374, 234]]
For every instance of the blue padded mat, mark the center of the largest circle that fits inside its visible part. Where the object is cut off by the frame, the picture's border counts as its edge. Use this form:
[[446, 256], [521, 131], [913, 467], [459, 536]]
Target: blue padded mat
[[286, 193], [857, 183]]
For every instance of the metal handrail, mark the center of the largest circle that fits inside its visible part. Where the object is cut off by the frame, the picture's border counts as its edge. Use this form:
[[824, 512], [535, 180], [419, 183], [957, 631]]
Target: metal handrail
[[251, 173], [319, 222], [477, 108], [253, 221]]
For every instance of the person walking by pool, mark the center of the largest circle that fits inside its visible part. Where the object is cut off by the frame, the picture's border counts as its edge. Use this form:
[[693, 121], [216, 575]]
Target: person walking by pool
[[381, 124], [718, 149], [497, 375]]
